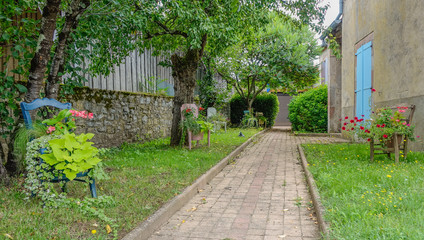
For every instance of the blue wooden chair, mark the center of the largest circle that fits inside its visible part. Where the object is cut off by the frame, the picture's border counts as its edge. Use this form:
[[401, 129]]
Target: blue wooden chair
[[47, 102]]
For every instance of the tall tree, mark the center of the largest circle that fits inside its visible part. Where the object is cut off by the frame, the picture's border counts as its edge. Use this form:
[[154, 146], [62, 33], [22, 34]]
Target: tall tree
[[279, 56], [188, 28]]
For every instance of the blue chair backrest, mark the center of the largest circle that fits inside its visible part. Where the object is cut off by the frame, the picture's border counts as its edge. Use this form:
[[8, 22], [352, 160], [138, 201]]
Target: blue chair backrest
[[37, 103]]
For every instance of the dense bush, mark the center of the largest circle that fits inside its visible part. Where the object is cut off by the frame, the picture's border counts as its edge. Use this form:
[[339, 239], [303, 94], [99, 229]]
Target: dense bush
[[308, 111], [266, 103]]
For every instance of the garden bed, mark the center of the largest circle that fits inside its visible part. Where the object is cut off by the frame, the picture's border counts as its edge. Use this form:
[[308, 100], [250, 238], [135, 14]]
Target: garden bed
[[143, 177], [364, 200]]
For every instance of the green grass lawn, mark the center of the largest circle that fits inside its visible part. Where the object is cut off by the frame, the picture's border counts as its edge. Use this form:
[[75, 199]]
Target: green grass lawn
[[366, 200], [142, 178]]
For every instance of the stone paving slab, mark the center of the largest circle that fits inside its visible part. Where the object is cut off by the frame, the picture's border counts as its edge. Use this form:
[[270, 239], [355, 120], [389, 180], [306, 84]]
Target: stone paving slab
[[261, 195]]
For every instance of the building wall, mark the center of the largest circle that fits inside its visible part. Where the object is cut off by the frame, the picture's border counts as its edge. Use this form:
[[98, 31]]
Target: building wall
[[396, 27], [333, 82], [121, 117]]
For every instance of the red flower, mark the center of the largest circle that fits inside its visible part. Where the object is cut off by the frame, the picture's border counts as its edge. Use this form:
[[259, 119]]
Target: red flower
[[352, 121], [373, 90], [369, 139], [378, 125], [354, 124], [188, 110], [356, 118], [352, 129], [385, 136], [344, 124], [343, 128], [383, 125], [362, 115], [346, 117], [362, 128], [201, 109]]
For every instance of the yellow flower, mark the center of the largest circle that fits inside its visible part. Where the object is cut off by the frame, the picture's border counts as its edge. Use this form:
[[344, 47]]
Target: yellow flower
[[93, 231], [389, 176]]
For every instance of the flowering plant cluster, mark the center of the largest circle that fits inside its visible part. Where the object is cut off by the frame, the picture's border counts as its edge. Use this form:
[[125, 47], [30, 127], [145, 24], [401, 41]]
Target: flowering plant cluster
[[64, 122], [383, 124], [195, 124]]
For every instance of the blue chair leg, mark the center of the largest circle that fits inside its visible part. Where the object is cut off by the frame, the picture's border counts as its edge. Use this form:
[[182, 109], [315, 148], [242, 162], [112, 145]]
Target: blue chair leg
[[93, 188]]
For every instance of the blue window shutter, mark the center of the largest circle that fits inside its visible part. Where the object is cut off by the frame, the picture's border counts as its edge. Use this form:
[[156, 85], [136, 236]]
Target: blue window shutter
[[363, 81]]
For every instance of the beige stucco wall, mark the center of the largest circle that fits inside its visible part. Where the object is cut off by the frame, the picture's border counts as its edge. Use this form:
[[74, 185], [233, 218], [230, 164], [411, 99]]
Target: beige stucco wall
[[334, 90], [398, 53]]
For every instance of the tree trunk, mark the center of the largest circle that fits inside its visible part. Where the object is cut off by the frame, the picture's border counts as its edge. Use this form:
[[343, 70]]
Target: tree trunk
[[184, 73], [4, 152], [58, 63], [42, 54]]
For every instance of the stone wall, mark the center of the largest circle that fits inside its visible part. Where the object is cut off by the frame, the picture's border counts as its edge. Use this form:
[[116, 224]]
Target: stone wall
[[121, 117]]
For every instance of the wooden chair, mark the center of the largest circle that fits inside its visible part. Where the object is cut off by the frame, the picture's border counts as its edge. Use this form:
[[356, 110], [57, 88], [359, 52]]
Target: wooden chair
[[47, 102], [400, 142], [192, 137]]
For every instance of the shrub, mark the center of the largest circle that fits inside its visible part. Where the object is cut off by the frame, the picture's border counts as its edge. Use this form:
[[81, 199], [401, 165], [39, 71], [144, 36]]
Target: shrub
[[266, 103], [308, 111]]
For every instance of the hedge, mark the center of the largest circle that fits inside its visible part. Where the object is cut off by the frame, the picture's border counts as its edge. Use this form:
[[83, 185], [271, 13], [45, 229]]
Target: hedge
[[266, 103], [308, 111]]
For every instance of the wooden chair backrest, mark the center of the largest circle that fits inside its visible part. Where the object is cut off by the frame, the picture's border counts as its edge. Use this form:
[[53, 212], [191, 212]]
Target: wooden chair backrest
[[190, 106], [37, 103]]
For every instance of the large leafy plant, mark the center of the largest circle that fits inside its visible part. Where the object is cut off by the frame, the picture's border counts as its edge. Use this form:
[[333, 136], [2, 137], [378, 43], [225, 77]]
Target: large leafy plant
[[72, 154]]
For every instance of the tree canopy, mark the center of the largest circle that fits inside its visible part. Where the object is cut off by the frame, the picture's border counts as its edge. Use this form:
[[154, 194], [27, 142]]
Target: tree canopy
[[279, 56]]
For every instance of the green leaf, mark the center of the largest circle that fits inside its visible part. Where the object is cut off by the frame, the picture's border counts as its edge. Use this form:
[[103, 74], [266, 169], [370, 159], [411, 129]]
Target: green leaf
[[21, 88], [70, 174]]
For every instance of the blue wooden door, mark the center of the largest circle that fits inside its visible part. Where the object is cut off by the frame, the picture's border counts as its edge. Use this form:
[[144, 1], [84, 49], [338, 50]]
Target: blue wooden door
[[363, 81]]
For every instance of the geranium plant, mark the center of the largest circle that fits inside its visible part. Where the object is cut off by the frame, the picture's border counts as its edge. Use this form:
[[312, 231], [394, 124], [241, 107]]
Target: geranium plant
[[195, 124], [383, 124]]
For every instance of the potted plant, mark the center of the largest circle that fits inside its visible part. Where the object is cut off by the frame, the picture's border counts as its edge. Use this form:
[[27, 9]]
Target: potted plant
[[195, 127], [386, 127], [61, 155]]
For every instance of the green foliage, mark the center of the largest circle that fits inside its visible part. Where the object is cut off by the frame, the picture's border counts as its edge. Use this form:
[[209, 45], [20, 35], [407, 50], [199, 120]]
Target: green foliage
[[266, 103], [210, 93], [308, 110], [22, 136], [278, 56], [72, 154], [19, 38], [366, 200]]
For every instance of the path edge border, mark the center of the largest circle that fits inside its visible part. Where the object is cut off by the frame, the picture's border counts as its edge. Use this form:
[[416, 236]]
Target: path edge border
[[338, 135], [316, 199], [146, 229]]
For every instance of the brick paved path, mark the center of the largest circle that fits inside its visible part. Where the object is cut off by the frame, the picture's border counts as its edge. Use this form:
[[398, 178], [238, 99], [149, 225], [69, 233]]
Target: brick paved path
[[262, 195]]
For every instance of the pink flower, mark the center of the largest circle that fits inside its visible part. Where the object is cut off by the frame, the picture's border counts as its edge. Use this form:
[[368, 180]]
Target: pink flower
[[404, 123], [90, 116], [418, 136], [51, 129], [73, 112], [397, 120], [373, 90], [408, 125]]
